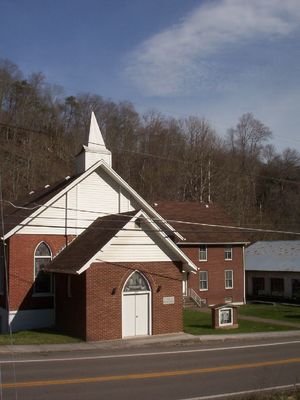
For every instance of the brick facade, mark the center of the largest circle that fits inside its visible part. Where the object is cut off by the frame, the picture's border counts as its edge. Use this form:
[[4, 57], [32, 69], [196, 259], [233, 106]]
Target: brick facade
[[70, 313], [93, 312], [97, 297], [21, 249], [216, 267]]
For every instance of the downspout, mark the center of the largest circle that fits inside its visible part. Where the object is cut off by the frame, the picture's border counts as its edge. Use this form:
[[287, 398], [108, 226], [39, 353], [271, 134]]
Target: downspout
[[244, 274], [66, 220]]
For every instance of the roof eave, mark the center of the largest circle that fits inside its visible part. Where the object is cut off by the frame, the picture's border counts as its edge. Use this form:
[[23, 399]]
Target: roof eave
[[212, 243], [186, 261], [61, 271]]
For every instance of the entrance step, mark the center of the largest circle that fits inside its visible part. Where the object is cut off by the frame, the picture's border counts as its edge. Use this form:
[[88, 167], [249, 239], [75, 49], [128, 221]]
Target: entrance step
[[189, 303]]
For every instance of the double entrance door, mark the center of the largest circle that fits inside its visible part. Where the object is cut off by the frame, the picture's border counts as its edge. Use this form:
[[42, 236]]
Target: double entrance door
[[135, 314]]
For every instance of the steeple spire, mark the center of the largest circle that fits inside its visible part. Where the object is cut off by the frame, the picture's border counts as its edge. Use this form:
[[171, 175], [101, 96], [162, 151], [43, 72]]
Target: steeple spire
[[93, 149], [95, 138]]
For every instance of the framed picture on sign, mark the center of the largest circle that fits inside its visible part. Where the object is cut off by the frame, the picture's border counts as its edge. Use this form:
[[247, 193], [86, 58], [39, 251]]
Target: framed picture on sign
[[225, 316]]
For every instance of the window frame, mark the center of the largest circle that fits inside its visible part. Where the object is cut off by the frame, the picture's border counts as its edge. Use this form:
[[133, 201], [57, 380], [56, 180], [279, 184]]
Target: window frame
[[35, 257], [228, 279], [295, 288], [203, 250], [258, 285], [203, 280], [228, 249], [277, 285]]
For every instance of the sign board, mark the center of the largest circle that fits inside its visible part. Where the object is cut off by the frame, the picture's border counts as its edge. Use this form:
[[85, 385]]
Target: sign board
[[225, 316], [169, 300]]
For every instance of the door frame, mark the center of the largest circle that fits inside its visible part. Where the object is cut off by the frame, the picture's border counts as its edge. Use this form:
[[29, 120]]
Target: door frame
[[149, 292]]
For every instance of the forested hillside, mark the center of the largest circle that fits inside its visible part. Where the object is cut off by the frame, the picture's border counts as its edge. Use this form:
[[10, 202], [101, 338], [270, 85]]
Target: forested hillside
[[162, 158]]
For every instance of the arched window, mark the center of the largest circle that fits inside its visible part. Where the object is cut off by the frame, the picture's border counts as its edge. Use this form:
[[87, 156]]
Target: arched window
[[136, 283], [43, 280]]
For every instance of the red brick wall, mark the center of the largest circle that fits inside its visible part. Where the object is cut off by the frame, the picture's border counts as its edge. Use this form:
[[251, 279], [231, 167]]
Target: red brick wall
[[21, 250], [104, 308], [70, 312], [2, 277], [216, 266]]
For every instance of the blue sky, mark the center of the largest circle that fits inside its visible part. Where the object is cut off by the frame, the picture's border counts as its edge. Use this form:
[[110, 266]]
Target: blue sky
[[216, 59]]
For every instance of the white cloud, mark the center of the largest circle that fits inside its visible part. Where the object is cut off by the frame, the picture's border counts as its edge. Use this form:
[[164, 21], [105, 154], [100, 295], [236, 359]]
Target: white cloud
[[180, 57]]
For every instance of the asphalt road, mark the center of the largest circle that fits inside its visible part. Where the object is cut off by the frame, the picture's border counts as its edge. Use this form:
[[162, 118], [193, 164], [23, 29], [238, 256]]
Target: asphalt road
[[164, 373]]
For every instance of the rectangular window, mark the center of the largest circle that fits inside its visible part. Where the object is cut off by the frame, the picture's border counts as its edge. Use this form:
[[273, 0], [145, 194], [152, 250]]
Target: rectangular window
[[296, 289], [43, 280], [203, 276], [228, 252], [258, 285], [203, 252], [229, 279], [277, 286]]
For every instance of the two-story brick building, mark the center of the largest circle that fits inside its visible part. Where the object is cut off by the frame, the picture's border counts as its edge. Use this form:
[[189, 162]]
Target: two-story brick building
[[216, 249]]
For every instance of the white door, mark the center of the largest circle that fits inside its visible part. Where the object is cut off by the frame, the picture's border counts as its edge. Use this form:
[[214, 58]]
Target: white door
[[135, 314], [128, 315], [142, 314], [136, 306]]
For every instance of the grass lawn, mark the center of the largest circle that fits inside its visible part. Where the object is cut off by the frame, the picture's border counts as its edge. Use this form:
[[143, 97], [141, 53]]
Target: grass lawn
[[40, 336], [199, 323], [277, 311]]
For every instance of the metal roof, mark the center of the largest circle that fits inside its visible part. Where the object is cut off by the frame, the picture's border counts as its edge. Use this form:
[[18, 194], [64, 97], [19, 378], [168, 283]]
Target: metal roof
[[275, 255]]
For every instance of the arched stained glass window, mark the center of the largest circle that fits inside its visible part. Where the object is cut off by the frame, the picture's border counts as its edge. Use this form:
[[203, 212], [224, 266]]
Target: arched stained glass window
[[43, 250], [136, 283], [43, 280]]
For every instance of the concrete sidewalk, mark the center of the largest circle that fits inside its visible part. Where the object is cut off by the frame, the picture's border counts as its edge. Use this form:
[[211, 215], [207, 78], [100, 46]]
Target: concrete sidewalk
[[177, 339]]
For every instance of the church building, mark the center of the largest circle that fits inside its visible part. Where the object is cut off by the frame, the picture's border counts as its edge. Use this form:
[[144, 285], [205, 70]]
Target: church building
[[91, 256]]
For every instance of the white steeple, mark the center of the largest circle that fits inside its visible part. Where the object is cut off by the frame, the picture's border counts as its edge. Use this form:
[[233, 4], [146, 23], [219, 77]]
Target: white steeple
[[95, 138], [93, 149]]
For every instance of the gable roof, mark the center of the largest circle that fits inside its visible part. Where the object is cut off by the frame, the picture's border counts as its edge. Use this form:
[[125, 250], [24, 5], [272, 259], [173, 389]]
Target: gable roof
[[200, 216], [88, 243], [273, 255], [24, 207], [45, 197], [79, 254]]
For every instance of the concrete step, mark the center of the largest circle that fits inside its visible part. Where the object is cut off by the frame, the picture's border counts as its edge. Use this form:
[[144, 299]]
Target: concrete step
[[189, 303]]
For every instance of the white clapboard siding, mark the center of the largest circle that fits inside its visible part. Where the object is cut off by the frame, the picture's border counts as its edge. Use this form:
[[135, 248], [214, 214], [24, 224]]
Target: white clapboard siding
[[125, 203], [100, 195], [51, 219], [96, 196], [135, 246]]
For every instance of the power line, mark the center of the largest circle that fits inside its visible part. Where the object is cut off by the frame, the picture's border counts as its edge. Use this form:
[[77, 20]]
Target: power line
[[23, 129], [188, 223], [163, 158]]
